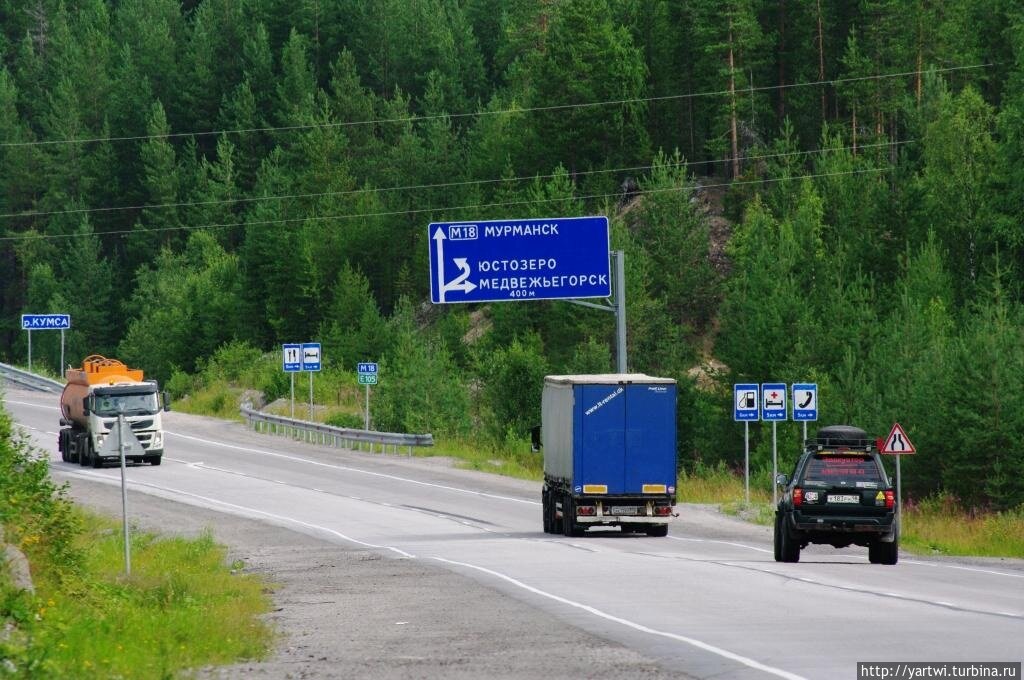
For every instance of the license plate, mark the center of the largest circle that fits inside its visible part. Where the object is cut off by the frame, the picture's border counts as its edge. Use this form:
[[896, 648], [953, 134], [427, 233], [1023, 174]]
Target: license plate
[[624, 509], [844, 498]]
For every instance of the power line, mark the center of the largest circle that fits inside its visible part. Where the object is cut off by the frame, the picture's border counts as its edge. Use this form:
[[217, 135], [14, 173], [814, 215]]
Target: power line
[[419, 187], [154, 230], [554, 107]]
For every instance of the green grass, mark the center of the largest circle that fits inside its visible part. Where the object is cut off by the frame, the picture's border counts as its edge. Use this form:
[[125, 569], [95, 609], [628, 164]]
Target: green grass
[[511, 459], [182, 607]]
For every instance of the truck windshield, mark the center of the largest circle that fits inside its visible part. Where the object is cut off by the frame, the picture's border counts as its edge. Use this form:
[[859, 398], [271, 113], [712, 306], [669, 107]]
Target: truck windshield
[[842, 470], [133, 404]]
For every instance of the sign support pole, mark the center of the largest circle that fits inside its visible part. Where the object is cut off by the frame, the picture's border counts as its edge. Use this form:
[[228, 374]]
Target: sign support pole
[[746, 460], [620, 309], [775, 465], [60, 367], [293, 395], [366, 414], [899, 499], [311, 396], [124, 493], [30, 350]]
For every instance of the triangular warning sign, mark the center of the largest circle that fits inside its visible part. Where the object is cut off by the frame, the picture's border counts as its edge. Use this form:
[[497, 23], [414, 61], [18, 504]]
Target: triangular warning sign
[[898, 442]]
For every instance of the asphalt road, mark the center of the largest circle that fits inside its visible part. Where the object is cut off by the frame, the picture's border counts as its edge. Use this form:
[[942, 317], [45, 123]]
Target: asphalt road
[[459, 563]]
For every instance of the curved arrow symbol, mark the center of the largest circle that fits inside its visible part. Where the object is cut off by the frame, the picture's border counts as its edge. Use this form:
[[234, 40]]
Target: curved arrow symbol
[[461, 281]]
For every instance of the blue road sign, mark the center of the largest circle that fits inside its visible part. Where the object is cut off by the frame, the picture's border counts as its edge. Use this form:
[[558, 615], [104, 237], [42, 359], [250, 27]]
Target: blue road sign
[[311, 356], [45, 322], [805, 401], [773, 401], [500, 260], [291, 358], [744, 401], [366, 367]]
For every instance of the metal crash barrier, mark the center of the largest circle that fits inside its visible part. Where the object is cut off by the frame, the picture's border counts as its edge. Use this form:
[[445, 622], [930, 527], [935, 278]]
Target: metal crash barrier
[[329, 435]]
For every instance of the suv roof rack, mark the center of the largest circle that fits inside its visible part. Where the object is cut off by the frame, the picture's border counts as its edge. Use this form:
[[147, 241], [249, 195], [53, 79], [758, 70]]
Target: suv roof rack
[[841, 438]]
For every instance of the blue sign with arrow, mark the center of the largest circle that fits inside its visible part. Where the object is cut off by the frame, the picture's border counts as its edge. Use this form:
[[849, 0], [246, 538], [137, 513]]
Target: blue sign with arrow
[[805, 401], [537, 259], [291, 358], [744, 401], [773, 401]]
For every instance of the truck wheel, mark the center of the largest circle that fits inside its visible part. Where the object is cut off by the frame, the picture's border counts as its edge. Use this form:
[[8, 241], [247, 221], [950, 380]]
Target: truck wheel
[[883, 553], [61, 447], [789, 548], [777, 537], [545, 503], [657, 530], [82, 447], [153, 460], [569, 526], [96, 461]]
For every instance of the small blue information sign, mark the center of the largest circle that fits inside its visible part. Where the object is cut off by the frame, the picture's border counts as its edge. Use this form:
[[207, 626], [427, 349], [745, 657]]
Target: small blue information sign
[[366, 367], [805, 401], [535, 259], [773, 401], [311, 356], [291, 358], [744, 401], [45, 322]]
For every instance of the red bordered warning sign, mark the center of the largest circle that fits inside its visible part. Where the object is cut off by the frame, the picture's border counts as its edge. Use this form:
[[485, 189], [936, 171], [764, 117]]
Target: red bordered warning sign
[[898, 442]]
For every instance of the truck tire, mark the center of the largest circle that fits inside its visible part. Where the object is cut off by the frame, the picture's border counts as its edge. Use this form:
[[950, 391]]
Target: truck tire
[[62, 445], [569, 525], [883, 553], [94, 459], [82, 446], [153, 460], [545, 503], [657, 530]]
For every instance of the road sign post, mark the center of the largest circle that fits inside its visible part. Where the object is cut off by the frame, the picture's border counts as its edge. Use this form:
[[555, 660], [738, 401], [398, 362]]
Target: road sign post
[[291, 362], [898, 444], [744, 402], [773, 409], [367, 376], [46, 322], [805, 405], [311, 363]]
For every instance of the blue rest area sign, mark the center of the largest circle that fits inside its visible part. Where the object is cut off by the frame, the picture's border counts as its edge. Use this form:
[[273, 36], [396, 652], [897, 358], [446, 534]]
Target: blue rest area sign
[[47, 322], [745, 402], [773, 401], [311, 356], [805, 401], [292, 358], [535, 259]]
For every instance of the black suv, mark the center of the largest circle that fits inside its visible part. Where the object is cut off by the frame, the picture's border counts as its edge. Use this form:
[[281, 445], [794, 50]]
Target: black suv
[[839, 495]]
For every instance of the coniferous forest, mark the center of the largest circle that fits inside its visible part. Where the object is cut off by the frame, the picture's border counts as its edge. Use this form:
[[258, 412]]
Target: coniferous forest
[[805, 191]]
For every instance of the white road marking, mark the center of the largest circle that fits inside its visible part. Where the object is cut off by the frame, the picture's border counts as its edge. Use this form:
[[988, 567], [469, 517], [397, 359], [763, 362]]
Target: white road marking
[[954, 566], [352, 469], [711, 540], [732, 656]]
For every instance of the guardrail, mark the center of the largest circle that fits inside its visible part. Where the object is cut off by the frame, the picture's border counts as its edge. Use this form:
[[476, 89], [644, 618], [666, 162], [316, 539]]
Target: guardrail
[[32, 381], [329, 435]]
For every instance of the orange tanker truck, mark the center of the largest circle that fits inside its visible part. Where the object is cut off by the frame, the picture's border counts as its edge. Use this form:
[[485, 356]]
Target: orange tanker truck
[[95, 395]]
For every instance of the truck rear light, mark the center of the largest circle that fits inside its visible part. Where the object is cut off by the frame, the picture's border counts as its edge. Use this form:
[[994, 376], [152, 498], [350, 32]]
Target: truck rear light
[[798, 496], [662, 510], [586, 511], [890, 499]]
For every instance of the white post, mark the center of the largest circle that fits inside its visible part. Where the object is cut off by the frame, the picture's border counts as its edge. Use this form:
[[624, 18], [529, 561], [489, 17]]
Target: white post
[[899, 498], [366, 415], [30, 350], [311, 396], [746, 460], [775, 465], [293, 394], [124, 493], [60, 367]]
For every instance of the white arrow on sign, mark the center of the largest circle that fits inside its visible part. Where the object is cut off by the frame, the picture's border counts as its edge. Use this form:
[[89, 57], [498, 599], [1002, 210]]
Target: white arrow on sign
[[460, 282]]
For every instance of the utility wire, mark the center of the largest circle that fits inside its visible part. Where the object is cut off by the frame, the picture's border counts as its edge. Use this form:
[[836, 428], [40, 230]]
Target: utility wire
[[534, 109], [418, 187], [153, 230]]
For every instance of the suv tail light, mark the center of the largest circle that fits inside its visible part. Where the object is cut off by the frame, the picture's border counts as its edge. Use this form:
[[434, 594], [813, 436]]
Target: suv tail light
[[890, 499], [798, 496]]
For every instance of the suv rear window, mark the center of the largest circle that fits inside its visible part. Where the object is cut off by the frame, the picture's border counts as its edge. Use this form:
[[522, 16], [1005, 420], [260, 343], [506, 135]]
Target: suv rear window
[[847, 470]]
